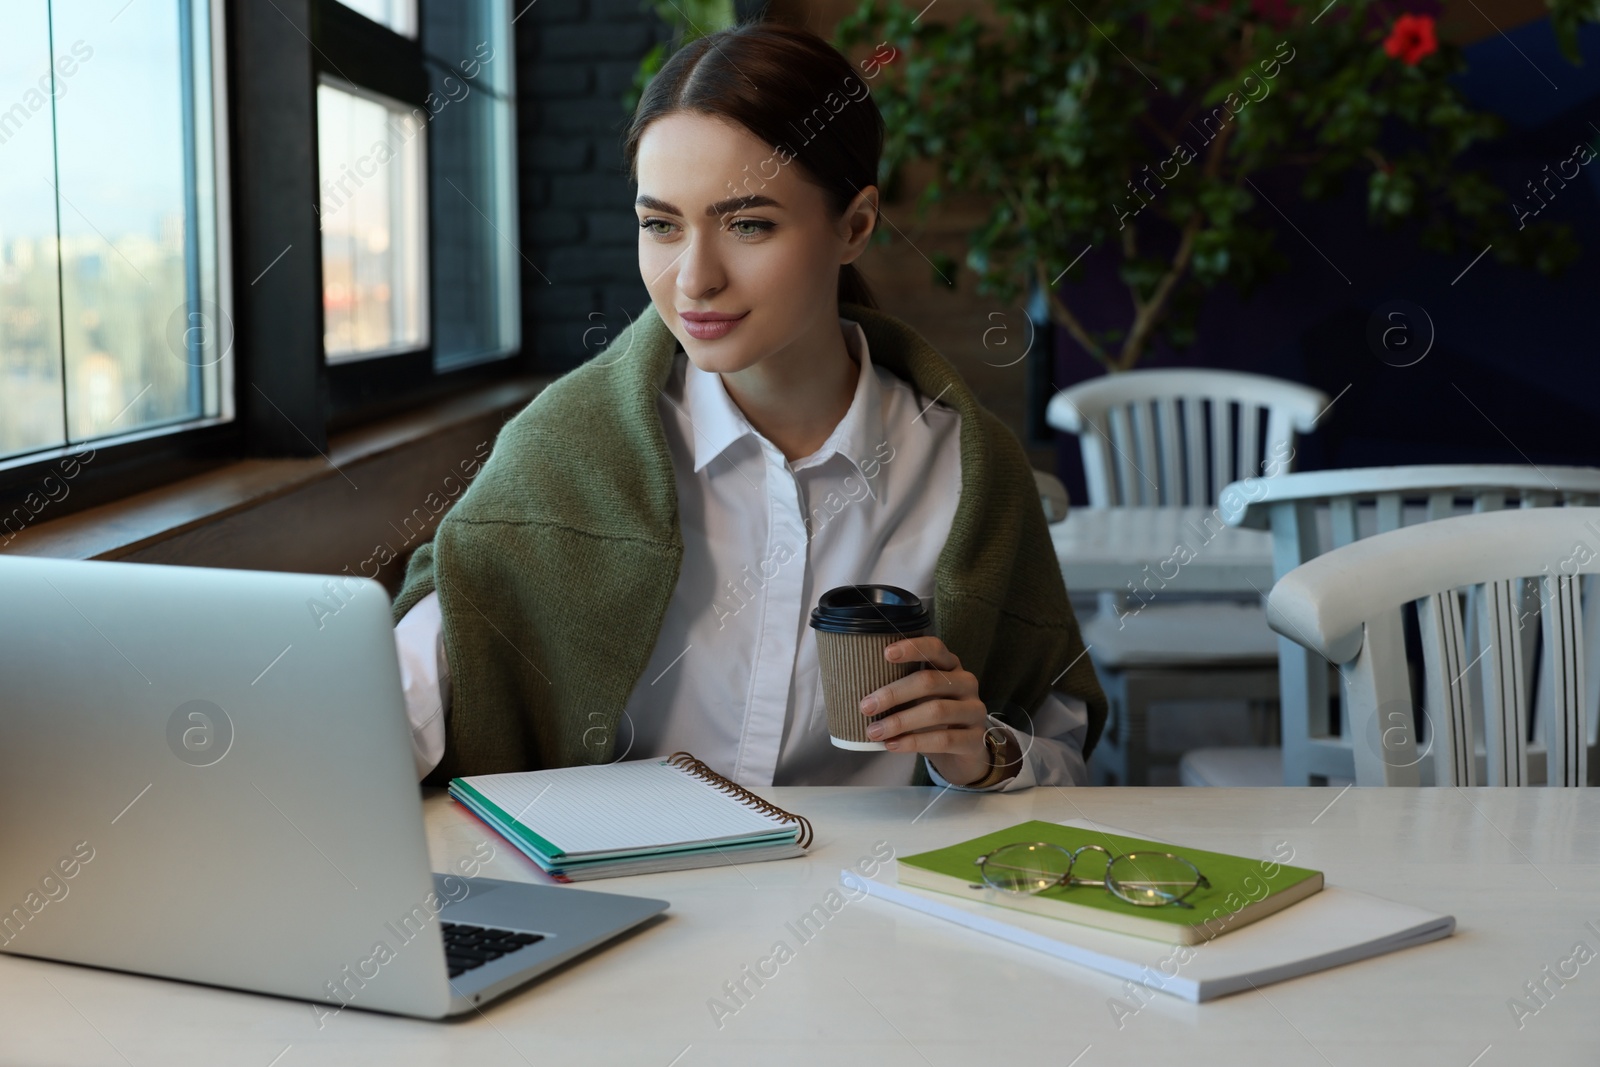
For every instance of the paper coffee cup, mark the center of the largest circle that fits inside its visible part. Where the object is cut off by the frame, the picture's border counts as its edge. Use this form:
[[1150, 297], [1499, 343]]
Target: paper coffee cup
[[853, 625]]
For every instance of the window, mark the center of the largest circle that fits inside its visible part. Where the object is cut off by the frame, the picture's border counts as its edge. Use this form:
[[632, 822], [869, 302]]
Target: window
[[172, 316], [374, 253], [468, 53], [399, 15], [417, 183], [114, 297]]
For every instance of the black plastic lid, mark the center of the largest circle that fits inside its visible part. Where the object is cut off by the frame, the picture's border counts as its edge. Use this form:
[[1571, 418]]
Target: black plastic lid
[[869, 609]]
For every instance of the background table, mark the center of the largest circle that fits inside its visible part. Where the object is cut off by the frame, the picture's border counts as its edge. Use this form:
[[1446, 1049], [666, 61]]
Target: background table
[[883, 986], [1106, 548]]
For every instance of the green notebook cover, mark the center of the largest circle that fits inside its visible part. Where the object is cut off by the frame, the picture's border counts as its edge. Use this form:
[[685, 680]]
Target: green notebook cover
[[1242, 889]]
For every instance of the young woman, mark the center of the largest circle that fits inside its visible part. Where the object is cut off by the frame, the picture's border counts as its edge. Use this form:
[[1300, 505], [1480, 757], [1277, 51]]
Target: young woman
[[632, 572]]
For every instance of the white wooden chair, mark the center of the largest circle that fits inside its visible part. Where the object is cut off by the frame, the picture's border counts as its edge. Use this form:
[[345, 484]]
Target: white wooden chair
[[1052, 496], [1175, 438], [1349, 605], [1313, 512], [1167, 438]]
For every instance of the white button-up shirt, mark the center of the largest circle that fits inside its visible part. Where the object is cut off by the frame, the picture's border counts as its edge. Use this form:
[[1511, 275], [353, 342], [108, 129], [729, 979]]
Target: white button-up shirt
[[734, 677]]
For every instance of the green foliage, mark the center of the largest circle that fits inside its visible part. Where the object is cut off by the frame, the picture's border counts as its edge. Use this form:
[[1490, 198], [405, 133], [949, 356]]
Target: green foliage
[[1140, 124], [1566, 16], [689, 19]]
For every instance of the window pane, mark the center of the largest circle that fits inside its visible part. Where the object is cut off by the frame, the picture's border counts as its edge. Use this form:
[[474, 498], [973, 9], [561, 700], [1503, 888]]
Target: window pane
[[472, 38], [399, 15], [129, 204], [476, 275], [374, 252], [31, 415]]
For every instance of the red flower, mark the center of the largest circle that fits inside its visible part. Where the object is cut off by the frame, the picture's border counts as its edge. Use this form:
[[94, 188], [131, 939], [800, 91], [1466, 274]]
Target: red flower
[[1411, 39], [885, 58]]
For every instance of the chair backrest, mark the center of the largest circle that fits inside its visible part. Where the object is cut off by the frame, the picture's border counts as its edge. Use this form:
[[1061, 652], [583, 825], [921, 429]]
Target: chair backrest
[[1314, 511], [1052, 496], [1349, 605], [1175, 437]]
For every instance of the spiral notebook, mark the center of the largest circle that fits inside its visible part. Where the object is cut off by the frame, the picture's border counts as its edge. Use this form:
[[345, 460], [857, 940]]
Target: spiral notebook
[[637, 817]]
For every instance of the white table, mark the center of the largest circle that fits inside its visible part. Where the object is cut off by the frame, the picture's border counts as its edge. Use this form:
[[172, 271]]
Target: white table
[[878, 985], [1106, 548]]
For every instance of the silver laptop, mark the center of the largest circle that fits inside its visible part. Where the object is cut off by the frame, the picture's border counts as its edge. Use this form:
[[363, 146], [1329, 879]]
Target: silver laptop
[[207, 775]]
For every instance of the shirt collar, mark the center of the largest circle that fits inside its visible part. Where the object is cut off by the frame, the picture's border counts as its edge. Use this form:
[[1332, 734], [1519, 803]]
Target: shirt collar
[[718, 422]]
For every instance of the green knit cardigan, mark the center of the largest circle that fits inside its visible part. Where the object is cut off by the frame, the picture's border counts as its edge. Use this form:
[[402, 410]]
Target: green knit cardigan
[[555, 567]]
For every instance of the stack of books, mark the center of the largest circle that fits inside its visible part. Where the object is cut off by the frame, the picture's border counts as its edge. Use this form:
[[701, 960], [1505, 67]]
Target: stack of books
[[1259, 921]]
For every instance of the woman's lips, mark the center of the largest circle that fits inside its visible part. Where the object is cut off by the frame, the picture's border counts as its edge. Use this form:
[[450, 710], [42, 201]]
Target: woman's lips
[[710, 329]]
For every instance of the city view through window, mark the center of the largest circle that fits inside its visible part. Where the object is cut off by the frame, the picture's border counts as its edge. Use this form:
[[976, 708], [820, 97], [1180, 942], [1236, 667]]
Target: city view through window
[[373, 220], [109, 321]]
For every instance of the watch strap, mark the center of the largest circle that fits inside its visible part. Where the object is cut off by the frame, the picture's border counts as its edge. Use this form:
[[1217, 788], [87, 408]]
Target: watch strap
[[994, 742]]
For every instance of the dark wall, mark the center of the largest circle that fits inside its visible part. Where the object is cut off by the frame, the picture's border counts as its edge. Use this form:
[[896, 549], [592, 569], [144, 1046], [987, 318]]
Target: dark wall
[[580, 274], [1513, 375]]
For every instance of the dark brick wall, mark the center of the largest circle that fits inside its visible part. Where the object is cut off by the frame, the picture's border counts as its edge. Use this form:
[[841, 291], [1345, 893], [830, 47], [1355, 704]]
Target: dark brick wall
[[575, 59]]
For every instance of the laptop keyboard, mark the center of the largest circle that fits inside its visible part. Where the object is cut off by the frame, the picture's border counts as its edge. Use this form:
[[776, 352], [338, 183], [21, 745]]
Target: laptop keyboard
[[466, 947]]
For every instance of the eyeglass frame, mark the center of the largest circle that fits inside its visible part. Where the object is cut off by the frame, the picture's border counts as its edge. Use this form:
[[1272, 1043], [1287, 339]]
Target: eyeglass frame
[[1066, 879]]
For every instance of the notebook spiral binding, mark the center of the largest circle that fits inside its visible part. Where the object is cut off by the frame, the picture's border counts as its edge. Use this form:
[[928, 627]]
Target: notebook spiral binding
[[686, 762]]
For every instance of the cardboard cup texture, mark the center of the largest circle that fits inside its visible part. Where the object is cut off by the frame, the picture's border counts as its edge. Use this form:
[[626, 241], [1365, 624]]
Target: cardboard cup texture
[[852, 666]]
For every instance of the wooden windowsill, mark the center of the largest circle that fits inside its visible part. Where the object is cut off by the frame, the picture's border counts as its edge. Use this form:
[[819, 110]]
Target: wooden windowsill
[[127, 526]]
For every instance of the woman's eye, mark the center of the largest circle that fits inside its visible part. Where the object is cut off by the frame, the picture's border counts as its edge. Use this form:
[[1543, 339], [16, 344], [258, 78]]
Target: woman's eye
[[744, 229], [757, 227]]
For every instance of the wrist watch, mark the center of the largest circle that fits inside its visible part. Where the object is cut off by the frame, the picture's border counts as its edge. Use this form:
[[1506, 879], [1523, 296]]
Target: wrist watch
[[994, 739]]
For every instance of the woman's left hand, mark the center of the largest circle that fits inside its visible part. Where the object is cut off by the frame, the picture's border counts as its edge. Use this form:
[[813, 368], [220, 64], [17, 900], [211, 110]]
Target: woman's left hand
[[948, 720]]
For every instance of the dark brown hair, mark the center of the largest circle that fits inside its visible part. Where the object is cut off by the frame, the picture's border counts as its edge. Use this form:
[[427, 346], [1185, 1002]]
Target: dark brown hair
[[791, 89]]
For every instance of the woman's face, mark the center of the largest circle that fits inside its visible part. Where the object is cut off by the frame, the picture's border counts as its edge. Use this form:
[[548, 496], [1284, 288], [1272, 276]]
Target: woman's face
[[729, 226]]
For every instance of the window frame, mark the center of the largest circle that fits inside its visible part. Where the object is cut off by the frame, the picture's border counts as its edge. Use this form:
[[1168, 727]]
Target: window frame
[[284, 397], [376, 58], [151, 455], [422, 221]]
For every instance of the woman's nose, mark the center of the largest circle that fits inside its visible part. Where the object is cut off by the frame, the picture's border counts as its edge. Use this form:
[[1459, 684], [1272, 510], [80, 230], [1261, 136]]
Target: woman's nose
[[700, 271]]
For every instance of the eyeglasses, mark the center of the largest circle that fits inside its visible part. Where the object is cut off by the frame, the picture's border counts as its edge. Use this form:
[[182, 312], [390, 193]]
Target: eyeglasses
[[1148, 879]]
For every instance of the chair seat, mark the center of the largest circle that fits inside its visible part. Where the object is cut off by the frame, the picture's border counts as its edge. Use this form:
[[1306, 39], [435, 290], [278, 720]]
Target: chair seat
[[1236, 767], [1182, 635]]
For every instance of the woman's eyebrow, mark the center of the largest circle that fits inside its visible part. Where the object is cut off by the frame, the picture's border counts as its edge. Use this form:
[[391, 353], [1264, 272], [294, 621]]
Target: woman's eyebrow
[[721, 207]]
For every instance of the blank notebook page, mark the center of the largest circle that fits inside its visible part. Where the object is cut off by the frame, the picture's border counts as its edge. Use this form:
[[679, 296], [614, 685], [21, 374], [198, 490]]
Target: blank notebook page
[[634, 805]]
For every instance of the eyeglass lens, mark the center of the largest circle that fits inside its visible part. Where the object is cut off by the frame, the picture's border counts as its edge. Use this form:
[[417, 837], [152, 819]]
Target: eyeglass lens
[[1151, 878], [1026, 868], [1144, 878]]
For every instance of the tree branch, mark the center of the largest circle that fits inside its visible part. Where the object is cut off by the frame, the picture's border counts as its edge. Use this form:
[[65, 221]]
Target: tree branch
[[1063, 316], [1213, 162], [1130, 250], [1151, 311], [1148, 313]]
